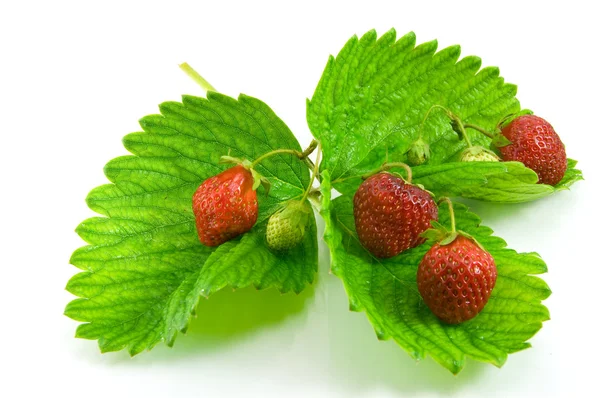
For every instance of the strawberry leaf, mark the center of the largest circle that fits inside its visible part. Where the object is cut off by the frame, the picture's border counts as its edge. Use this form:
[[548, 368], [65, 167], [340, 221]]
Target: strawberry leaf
[[144, 269], [509, 182], [241, 263], [371, 101], [386, 290]]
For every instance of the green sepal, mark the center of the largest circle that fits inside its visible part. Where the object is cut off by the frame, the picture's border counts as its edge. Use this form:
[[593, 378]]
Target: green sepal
[[448, 239], [500, 140], [433, 234], [437, 225], [265, 184], [472, 238], [509, 118], [225, 159], [257, 178], [436, 233]]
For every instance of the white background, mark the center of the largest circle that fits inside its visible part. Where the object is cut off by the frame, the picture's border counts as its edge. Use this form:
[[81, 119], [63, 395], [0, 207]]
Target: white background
[[75, 77]]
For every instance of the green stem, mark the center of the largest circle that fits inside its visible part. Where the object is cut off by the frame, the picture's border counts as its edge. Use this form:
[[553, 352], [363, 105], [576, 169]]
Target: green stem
[[275, 152], [480, 129], [450, 115], [461, 127], [384, 167], [451, 210], [387, 166], [196, 77], [310, 149], [300, 155], [309, 163], [315, 171]]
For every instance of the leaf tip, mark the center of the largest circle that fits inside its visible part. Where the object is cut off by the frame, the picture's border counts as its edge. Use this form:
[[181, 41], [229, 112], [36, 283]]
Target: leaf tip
[[456, 366], [381, 335], [354, 306], [369, 36]]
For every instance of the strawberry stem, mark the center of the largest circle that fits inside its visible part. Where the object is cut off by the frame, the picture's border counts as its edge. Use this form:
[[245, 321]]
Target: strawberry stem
[[459, 124], [480, 129], [195, 76], [311, 147], [387, 166], [300, 155], [427, 116], [315, 171], [384, 167], [451, 210]]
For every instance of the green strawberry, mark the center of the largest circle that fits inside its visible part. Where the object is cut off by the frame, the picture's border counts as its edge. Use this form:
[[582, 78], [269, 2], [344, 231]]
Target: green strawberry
[[285, 228], [418, 152]]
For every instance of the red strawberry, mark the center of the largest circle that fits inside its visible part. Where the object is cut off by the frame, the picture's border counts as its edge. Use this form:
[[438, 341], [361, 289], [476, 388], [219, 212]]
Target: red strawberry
[[456, 279], [390, 214], [535, 143], [225, 206]]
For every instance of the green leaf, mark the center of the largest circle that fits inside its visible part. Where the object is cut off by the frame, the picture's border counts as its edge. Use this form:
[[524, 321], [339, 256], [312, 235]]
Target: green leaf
[[387, 292], [509, 182], [243, 263], [144, 269], [371, 101]]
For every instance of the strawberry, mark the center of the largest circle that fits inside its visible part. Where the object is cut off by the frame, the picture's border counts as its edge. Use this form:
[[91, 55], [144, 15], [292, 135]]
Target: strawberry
[[534, 142], [478, 154], [418, 153], [285, 228], [225, 206], [456, 276], [390, 214]]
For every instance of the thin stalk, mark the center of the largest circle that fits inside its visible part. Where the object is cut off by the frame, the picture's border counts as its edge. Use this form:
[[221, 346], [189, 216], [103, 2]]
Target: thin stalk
[[300, 155], [480, 129], [315, 171], [275, 152], [406, 167], [451, 210], [310, 149], [195, 76], [427, 116], [461, 127]]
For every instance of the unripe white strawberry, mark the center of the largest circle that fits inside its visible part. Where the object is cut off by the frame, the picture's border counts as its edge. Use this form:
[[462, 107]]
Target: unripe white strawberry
[[478, 154]]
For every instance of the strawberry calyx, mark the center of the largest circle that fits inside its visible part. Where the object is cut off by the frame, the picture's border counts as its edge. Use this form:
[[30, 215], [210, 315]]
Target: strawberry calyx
[[441, 235], [418, 153], [506, 120], [257, 178]]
